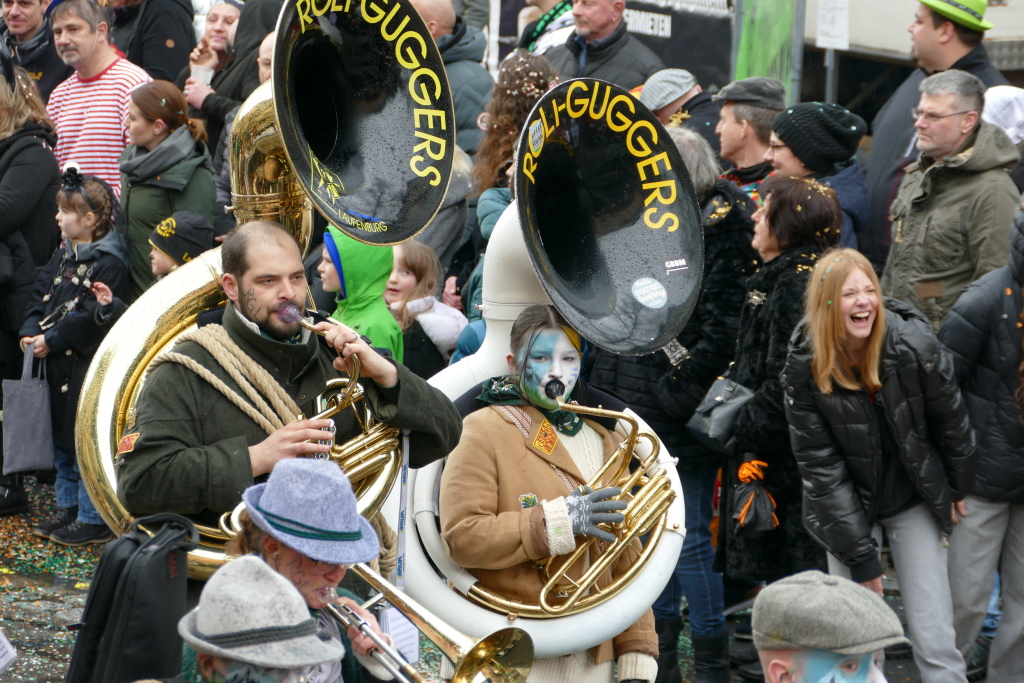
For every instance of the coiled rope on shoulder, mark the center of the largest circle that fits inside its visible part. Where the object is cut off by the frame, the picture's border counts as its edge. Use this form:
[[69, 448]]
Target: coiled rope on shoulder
[[254, 381], [257, 383]]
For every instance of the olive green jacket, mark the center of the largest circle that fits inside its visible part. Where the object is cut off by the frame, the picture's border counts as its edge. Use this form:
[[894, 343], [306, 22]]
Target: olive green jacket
[[188, 449], [951, 223]]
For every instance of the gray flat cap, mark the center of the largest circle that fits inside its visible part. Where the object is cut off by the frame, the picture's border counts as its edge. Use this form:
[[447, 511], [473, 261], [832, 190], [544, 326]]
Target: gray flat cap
[[815, 611], [758, 91], [665, 87]]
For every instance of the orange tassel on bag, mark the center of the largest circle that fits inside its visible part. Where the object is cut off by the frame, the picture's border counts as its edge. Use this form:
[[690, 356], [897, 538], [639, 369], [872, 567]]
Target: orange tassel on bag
[[749, 492]]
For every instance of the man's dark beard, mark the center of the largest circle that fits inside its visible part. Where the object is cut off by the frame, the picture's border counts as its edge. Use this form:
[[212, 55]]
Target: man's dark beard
[[248, 308]]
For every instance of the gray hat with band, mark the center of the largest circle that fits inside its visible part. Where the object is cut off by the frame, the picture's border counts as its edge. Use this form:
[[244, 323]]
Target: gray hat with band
[[665, 87], [309, 506], [757, 91], [249, 613], [815, 611]]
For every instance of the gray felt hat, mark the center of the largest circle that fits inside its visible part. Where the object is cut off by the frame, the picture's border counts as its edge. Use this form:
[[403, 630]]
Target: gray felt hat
[[815, 611], [249, 613], [665, 87], [758, 91], [309, 506]]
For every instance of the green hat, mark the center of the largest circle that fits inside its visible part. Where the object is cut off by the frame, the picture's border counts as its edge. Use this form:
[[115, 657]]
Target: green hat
[[969, 13]]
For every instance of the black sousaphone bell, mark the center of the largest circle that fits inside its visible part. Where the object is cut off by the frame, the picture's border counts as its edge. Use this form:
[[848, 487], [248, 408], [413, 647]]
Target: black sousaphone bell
[[609, 215], [363, 105]]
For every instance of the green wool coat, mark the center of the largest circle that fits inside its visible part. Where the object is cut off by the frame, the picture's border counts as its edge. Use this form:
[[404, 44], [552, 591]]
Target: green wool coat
[[186, 186], [188, 449]]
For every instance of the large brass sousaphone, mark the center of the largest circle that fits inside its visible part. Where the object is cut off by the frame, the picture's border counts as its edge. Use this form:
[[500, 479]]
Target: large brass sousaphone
[[611, 225], [357, 120]]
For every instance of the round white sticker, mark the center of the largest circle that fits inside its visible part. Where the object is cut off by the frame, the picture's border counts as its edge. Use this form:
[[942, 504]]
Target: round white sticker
[[650, 292], [536, 137]]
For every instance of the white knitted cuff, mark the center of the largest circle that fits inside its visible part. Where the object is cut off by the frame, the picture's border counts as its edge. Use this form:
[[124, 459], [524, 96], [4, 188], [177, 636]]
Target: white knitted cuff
[[557, 527], [637, 665]]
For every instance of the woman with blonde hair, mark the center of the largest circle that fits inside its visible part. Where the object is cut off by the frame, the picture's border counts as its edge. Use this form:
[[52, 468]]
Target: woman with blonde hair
[[29, 180], [882, 438]]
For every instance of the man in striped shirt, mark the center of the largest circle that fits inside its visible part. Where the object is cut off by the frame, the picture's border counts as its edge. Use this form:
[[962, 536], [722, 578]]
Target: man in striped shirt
[[88, 109]]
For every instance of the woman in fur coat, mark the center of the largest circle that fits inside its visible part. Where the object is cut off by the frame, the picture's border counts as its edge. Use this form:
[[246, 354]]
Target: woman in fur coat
[[799, 220]]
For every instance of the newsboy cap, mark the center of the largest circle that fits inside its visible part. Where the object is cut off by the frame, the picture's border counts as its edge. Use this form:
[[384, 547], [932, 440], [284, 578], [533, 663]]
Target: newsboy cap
[[758, 91], [814, 611], [665, 87]]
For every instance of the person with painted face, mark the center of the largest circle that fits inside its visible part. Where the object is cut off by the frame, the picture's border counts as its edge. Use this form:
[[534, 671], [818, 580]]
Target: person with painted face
[[511, 492], [883, 440], [816, 628]]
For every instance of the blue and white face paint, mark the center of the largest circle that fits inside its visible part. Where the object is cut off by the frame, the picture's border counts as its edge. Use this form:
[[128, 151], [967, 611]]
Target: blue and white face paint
[[823, 666], [550, 355]]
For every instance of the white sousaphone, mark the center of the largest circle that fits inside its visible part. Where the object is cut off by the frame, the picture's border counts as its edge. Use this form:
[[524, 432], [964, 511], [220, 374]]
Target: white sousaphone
[[604, 201]]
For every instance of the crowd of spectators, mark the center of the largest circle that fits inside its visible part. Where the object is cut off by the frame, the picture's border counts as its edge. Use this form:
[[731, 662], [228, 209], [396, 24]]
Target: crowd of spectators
[[870, 303]]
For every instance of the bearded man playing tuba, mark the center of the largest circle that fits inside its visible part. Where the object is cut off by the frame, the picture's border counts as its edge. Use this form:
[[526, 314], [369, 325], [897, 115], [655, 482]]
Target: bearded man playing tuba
[[193, 447]]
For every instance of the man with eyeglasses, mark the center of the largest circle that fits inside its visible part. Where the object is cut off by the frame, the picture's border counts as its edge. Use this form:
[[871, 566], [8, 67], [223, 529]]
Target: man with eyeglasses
[[943, 35], [951, 218]]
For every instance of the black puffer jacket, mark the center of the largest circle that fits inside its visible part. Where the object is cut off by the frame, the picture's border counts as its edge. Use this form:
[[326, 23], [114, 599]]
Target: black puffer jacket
[[620, 59], [666, 403], [772, 308], [983, 331], [837, 443]]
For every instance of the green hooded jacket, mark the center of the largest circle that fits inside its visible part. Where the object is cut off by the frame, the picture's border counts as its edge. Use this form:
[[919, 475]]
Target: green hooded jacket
[[364, 271], [951, 223]]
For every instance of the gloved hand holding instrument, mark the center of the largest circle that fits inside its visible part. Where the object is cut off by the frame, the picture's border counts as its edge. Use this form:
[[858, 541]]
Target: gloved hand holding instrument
[[588, 508]]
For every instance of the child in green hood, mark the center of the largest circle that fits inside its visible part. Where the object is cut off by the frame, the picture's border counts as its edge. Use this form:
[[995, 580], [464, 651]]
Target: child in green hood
[[359, 274]]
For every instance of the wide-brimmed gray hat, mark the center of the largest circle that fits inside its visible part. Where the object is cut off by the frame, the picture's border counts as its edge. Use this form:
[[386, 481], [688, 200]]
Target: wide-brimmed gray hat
[[309, 506], [665, 87], [249, 613], [757, 91], [814, 611]]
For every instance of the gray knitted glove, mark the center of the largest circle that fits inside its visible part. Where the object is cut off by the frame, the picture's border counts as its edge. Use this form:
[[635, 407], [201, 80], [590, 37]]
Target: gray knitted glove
[[589, 508]]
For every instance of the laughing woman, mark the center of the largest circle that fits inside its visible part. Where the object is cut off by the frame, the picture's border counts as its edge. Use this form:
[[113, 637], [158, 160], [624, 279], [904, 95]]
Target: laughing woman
[[883, 440]]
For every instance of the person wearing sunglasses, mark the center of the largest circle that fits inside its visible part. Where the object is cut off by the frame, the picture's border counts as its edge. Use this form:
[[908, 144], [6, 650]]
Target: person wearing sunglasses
[[951, 217]]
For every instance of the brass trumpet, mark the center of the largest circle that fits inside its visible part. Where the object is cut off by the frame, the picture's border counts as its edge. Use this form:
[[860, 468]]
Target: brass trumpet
[[648, 495], [505, 655]]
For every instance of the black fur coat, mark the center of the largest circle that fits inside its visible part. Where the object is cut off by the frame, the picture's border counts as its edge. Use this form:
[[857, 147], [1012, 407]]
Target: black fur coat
[[772, 310], [664, 395]]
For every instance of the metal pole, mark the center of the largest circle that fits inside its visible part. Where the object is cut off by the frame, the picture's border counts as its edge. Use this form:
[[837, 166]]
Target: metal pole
[[798, 50], [831, 75], [737, 28]]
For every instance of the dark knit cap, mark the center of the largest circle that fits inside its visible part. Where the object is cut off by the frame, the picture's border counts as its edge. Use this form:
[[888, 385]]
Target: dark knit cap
[[183, 236], [820, 134]]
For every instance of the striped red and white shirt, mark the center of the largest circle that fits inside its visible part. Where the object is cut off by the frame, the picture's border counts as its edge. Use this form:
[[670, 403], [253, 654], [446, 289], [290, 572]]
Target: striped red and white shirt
[[89, 114]]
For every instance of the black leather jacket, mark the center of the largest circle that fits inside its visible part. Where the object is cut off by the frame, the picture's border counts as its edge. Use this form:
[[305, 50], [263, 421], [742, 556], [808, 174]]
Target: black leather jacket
[[837, 444]]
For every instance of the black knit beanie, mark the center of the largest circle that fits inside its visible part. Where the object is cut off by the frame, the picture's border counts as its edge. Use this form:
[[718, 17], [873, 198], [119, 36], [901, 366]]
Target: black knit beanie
[[820, 134]]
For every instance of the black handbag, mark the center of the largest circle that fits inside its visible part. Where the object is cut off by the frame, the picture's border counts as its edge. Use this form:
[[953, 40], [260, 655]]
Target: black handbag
[[714, 420]]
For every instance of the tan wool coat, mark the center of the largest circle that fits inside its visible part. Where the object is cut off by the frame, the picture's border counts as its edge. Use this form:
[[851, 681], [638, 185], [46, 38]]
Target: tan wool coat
[[491, 517]]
